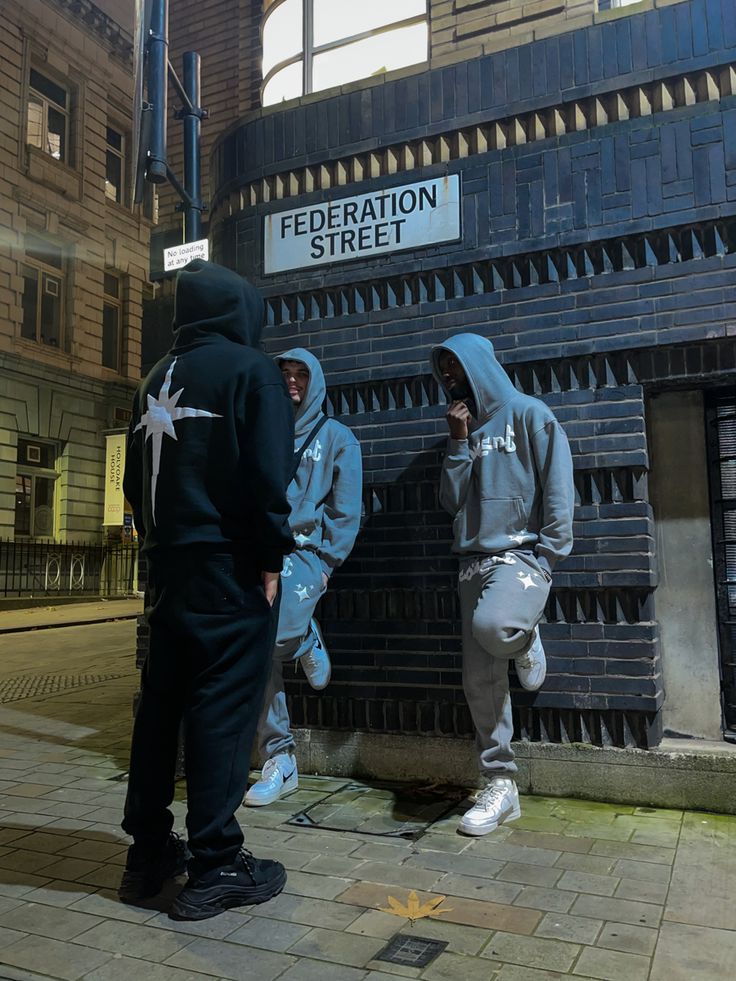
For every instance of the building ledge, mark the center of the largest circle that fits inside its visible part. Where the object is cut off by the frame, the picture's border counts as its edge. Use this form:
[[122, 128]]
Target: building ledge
[[695, 774]]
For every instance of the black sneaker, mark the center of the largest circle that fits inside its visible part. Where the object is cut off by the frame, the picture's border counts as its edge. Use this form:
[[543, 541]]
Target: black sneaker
[[147, 871], [247, 881]]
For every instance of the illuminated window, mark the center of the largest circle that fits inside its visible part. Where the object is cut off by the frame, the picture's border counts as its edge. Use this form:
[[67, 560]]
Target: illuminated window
[[311, 45], [43, 292], [48, 116], [111, 322], [35, 481], [610, 4], [114, 165]]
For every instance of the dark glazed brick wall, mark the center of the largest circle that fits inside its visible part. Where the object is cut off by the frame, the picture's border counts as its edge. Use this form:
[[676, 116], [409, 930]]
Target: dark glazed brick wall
[[601, 263]]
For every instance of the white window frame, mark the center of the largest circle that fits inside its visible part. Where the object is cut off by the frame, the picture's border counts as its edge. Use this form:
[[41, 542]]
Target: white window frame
[[309, 50], [120, 154], [115, 303], [28, 470], [47, 104], [46, 274]]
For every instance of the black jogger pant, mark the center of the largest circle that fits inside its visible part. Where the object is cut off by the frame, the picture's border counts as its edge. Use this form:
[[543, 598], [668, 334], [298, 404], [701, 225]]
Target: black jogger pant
[[212, 632]]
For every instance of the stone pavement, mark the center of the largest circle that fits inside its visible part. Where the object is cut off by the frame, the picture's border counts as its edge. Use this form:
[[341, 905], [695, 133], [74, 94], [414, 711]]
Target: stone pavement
[[66, 615], [572, 890]]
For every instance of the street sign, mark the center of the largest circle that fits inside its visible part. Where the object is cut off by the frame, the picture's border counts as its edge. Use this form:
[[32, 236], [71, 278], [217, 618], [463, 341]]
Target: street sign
[[179, 255], [389, 219]]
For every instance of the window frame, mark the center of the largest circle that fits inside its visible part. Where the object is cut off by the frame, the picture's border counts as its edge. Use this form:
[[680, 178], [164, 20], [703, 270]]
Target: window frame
[[113, 303], [121, 155], [48, 103], [28, 470], [43, 270], [309, 50]]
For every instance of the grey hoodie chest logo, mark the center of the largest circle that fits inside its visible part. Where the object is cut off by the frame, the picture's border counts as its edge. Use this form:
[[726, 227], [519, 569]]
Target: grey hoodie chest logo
[[314, 453], [503, 444]]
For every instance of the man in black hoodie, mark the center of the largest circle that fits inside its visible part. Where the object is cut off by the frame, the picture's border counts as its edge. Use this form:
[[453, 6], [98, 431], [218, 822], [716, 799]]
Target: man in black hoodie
[[210, 454]]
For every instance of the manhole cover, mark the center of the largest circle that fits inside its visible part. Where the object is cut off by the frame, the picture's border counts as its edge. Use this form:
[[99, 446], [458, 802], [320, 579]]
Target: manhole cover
[[411, 951], [390, 810], [30, 685]]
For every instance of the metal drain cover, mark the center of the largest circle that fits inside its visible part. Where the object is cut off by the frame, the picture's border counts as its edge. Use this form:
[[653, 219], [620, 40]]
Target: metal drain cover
[[411, 951], [17, 688]]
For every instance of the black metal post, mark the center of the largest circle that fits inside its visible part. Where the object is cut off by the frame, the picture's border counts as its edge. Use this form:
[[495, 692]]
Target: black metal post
[[192, 116], [158, 58]]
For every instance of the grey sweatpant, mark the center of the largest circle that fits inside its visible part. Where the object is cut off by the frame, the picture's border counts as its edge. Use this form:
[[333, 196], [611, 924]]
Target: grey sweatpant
[[301, 590], [502, 598]]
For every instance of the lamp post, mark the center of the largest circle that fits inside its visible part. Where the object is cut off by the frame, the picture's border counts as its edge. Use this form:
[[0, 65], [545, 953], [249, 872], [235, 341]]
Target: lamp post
[[154, 72]]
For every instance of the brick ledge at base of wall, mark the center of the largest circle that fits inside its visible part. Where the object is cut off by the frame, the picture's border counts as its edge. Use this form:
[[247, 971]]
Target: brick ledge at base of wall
[[697, 777]]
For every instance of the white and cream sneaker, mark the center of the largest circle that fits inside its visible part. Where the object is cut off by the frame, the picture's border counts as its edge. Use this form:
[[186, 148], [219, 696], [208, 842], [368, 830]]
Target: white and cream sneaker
[[495, 804], [279, 777], [531, 668]]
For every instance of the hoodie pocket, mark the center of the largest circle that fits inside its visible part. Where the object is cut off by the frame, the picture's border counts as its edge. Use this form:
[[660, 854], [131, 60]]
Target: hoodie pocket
[[499, 518]]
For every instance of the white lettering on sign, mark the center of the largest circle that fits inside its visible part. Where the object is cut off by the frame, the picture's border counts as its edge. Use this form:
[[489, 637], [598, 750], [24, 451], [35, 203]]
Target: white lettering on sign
[[395, 218], [179, 255]]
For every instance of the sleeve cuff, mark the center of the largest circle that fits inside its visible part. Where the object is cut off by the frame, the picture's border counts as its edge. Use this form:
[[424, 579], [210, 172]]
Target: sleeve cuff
[[272, 562]]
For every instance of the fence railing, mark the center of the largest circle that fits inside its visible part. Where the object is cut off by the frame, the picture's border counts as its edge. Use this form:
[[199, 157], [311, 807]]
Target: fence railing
[[29, 568]]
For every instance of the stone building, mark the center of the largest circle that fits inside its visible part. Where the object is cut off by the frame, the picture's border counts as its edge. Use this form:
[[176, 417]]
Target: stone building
[[585, 156], [73, 268]]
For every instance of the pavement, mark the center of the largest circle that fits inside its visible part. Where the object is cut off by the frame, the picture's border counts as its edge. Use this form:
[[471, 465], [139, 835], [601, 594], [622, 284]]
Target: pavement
[[73, 614], [571, 890]]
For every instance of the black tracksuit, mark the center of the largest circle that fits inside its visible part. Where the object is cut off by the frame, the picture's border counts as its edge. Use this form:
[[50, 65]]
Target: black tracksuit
[[210, 454]]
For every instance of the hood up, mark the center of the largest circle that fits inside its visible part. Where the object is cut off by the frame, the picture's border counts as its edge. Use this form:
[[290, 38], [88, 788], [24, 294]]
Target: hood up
[[311, 408], [213, 300], [489, 383]]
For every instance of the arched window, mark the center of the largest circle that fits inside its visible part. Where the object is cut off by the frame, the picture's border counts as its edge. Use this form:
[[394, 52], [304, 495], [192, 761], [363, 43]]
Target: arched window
[[310, 45]]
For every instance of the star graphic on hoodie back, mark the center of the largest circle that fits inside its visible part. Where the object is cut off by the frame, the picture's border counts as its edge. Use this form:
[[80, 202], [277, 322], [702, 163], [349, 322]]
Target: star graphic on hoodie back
[[158, 421]]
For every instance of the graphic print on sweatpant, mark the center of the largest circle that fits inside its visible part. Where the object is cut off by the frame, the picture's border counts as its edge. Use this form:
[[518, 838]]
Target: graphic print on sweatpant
[[502, 598], [325, 497]]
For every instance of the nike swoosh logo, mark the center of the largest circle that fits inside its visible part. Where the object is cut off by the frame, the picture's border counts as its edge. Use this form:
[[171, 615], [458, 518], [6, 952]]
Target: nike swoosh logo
[[288, 776]]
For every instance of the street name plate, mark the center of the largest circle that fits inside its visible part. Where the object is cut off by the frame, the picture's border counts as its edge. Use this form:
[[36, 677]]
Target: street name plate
[[388, 220], [179, 255]]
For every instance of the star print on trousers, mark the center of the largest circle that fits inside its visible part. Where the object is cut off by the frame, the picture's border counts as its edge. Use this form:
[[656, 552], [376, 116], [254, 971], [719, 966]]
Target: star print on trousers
[[302, 592], [158, 422], [526, 581]]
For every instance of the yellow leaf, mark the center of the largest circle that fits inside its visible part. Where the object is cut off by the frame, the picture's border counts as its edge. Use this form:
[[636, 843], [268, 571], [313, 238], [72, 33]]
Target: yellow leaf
[[413, 909]]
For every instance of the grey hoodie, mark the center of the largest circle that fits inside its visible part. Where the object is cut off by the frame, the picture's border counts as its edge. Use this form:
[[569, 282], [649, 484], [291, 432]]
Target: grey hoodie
[[509, 485], [326, 493]]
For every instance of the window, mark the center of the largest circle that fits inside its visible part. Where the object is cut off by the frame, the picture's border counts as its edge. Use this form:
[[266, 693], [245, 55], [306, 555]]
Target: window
[[43, 292], [611, 4], [35, 481], [111, 321], [310, 45], [48, 116], [115, 165]]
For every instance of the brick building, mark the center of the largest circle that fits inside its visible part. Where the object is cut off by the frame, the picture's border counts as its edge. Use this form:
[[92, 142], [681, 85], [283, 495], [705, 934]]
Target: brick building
[[73, 267], [594, 148]]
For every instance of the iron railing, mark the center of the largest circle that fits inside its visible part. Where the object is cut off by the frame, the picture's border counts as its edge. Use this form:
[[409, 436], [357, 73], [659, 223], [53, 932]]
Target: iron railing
[[33, 568]]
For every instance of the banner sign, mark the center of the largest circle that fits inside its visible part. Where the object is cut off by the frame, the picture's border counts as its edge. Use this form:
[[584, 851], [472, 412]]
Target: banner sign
[[114, 469], [395, 218]]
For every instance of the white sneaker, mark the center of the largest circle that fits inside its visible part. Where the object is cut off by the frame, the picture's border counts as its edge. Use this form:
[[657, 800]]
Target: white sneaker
[[496, 803], [531, 668], [316, 663], [279, 777]]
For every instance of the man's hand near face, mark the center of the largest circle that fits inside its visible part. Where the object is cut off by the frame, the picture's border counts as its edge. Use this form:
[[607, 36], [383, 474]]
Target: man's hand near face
[[458, 420]]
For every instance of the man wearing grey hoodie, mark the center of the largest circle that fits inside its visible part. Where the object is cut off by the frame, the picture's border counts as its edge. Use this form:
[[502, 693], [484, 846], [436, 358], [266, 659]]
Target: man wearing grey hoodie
[[325, 496], [507, 481]]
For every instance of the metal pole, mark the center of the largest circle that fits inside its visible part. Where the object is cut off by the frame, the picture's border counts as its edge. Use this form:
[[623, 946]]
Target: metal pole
[[158, 89], [192, 116]]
